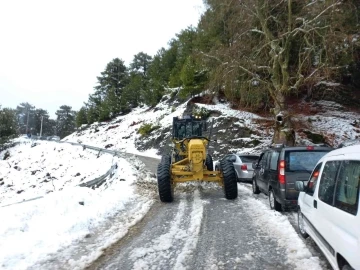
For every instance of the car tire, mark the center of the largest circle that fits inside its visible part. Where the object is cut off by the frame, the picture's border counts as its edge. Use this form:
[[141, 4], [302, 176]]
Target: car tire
[[229, 176], [255, 187], [209, 163], [217, 168], [274, 204], [164, 180], [301, 226]]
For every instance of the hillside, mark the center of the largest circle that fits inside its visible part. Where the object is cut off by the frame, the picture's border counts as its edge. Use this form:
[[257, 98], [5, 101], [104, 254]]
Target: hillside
[[235, 130]]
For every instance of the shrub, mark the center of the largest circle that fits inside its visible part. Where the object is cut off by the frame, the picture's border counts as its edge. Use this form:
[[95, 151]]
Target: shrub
[[146, 129], [203, 112]]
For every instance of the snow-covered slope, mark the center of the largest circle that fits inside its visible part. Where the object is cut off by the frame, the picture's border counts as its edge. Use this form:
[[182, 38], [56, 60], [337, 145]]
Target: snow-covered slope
[[33, 232], [235, 130]]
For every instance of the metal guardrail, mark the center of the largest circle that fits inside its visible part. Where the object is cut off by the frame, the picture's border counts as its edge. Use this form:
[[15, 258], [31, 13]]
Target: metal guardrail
[[95, 183]]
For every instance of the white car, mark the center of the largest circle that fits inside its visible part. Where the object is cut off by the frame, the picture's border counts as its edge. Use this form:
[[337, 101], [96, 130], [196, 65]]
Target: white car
[[329, 207]]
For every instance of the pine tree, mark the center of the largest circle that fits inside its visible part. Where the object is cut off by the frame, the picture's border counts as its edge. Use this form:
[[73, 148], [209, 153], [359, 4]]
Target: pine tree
[[81, 117], [8, 124], [65, 121], [110, 88], [25, 117]]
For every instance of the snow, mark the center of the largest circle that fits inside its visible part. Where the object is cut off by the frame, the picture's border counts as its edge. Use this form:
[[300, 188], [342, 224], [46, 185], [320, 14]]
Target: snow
[[278, 225], [33, 230], [62, 214]]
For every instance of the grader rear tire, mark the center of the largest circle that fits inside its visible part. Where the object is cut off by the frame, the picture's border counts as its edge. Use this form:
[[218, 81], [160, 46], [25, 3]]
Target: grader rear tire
[[164, 179], [209, 163], [230, 184]]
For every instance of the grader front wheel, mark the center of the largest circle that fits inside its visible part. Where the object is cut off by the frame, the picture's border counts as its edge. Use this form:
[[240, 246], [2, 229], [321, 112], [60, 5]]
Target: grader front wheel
[[230, 184], [164, 179], [209, 163]]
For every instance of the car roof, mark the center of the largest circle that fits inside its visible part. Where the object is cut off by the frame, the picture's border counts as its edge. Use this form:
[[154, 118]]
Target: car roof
[[343, 151]]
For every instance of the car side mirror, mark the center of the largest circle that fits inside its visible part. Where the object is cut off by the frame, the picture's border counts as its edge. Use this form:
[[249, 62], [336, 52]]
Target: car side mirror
[[299, 186], [254, 165]]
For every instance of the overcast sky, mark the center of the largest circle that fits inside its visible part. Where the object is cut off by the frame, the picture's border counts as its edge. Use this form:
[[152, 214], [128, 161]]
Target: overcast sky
[[51, 51]]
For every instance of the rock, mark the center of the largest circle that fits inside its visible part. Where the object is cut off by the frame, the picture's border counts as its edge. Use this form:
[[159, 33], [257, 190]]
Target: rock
[[81, 203], [88, 235], [78, 174], [108, 146], [112, 127], [19, 191], [6, 155]]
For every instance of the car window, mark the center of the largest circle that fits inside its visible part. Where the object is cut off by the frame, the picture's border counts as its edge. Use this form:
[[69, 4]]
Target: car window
[[327, 182], [311, 185], [231, 158], [347, 188], [274, 160], [248, 159], [303, 160], [263, 160]]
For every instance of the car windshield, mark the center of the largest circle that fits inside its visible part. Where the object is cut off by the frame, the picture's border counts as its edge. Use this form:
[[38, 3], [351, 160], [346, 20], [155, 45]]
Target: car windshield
[[248, 159], [302, 160]]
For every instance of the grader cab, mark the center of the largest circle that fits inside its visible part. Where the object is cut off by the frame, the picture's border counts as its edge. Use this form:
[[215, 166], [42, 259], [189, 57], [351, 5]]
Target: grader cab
[[190, 160]]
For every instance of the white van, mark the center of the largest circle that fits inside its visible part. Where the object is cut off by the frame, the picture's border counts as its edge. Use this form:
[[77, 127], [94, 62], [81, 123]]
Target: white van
[[328, 207]]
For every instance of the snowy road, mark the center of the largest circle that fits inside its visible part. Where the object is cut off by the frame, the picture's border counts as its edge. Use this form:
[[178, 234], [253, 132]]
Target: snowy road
[[202, 230]]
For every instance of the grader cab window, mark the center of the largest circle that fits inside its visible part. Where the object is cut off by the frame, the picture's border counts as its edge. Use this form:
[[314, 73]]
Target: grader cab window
[[186, 128]]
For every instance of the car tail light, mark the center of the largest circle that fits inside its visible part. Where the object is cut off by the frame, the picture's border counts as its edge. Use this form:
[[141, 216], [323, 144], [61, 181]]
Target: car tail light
[[282, 172], [310, 148], [313, 179], [243, 167]]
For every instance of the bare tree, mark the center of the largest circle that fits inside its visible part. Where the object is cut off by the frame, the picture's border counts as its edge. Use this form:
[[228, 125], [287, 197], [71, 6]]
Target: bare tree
[[279, 47]]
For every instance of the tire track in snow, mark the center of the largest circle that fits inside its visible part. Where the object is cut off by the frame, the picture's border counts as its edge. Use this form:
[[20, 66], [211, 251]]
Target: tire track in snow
[[161, 248], [165, 239], [277, 225], [193, 232]]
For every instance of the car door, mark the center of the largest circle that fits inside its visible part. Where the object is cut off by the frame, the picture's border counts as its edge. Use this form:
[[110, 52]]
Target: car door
[[323, 206], [263, 182], [345, 232], [257, 170], [307, 198]]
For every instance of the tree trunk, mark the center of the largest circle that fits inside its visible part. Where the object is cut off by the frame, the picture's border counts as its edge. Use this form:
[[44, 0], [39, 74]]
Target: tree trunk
[[283, 130]]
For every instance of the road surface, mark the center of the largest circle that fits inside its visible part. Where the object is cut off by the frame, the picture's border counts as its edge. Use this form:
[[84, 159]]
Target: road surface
[[199, 230]]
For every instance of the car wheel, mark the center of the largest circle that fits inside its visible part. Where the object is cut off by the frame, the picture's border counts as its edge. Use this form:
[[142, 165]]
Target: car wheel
[[274, 205], [301, 225], [255, 187]]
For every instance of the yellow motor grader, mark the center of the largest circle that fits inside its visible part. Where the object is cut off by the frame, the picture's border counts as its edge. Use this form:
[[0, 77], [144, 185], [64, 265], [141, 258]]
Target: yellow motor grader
[[189, 160]]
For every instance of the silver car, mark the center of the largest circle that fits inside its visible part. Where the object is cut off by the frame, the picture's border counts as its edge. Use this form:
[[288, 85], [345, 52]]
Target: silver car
[[242, 164]]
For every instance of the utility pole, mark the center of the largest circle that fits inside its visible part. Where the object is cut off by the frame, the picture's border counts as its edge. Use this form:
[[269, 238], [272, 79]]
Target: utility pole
[[42, 118]]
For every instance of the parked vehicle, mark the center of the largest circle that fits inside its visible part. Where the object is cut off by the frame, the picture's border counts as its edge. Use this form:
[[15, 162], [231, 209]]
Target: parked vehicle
[[328, 207], [277, 170], [242, 164]]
